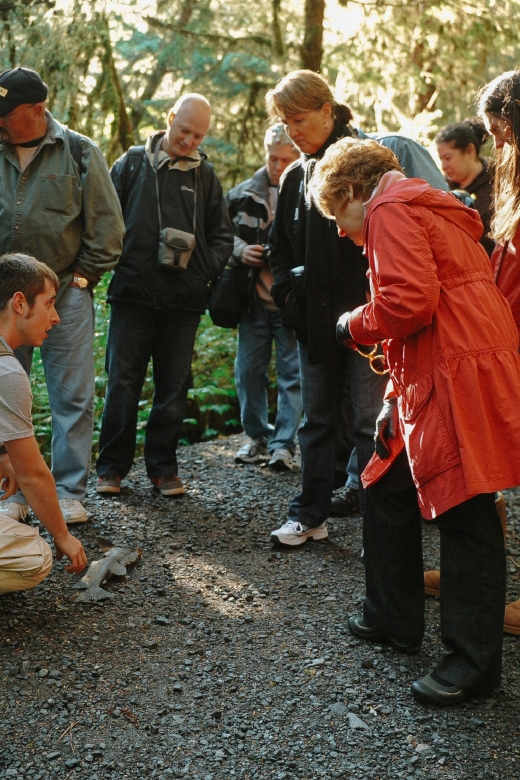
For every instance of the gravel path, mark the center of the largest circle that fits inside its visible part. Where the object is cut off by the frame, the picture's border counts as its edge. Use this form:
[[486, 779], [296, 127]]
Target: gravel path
[[221, 658]]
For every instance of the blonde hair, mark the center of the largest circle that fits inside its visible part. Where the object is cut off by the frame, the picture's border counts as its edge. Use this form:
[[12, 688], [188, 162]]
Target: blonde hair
[[301, 91], [350, 162]]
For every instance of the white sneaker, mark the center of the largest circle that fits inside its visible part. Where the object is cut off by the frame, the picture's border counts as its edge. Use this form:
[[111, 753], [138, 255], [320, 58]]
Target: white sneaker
[[281, 460], [14, 510], [252, 451], [293, 533], [73, 511]]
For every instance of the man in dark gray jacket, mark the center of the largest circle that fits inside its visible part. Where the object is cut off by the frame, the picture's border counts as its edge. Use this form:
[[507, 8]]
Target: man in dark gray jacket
[[166, 188]]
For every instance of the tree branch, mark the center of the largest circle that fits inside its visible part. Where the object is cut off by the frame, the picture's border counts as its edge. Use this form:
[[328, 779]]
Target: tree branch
[[262, 39]]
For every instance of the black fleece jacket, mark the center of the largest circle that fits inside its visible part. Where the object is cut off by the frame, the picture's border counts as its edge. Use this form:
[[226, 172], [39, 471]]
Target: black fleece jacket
[[139, 278], [335, 268]]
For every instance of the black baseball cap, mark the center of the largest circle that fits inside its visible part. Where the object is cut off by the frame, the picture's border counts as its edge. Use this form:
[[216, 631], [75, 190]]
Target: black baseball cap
[[18, 86]]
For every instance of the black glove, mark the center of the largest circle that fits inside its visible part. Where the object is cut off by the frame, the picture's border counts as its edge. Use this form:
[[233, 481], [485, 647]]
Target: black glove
[[343, 335], [386, 427]]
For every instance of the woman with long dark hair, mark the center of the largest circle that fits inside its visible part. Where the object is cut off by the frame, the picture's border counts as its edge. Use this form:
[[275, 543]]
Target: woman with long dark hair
[[499, 107]]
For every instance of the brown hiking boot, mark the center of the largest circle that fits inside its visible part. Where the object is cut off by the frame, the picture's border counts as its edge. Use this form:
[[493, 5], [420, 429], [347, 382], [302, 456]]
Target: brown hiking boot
[[432, 583], [512, 618], [108, 485]]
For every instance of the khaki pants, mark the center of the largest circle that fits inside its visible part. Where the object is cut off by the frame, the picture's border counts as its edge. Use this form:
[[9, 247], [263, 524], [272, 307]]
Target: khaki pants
[[25, 558]]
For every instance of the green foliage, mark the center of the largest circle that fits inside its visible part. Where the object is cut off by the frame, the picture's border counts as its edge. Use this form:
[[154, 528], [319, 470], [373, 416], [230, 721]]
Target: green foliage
[[423, 61], [114, 68]]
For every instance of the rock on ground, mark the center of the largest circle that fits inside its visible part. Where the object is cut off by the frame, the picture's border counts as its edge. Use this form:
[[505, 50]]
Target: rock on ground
[[221, 658]]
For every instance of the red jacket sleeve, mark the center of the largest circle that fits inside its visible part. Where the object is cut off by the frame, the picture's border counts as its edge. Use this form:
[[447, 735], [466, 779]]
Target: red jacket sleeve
[[404, 281]]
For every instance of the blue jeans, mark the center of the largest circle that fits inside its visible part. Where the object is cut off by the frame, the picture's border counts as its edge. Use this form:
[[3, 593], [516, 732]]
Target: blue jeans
[[255, 338], [136, 334], [68, 362], [322, 390]]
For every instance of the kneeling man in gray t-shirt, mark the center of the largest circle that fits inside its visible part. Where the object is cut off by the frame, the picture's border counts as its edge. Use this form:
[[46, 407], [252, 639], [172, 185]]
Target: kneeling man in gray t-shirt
[[27, 296]]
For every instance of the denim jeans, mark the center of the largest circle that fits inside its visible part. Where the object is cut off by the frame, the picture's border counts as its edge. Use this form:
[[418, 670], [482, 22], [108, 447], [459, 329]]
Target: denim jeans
[[322, 391], [136, 334], [473, 576], [68, 362], [255, 339]]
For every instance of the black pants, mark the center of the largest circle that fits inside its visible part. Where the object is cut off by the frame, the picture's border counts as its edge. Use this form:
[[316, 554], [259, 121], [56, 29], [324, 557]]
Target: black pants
[[473, 577], [136, 334]]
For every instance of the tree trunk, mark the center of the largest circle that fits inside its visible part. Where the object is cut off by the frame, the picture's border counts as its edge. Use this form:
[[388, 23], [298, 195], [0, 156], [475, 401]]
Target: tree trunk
[[122, 134], [311, 50], [278, 40]]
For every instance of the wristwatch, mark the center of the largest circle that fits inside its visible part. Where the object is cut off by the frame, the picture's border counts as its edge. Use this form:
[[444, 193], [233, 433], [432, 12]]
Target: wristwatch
[[80, 281]]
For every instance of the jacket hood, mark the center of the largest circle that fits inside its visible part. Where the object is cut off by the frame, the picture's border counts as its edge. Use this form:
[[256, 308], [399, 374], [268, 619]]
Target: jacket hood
[[183, 163], [418, 193]]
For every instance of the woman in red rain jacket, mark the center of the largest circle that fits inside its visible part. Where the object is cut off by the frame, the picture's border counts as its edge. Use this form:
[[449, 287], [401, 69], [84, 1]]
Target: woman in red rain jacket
[[451, 347]]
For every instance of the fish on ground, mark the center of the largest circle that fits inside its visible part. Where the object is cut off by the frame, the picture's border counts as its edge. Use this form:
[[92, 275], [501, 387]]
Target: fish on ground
[[112, 565]]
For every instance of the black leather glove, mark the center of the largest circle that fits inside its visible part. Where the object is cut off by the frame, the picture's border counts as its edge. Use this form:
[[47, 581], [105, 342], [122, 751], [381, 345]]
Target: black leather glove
[[343, 335], [386, 427]]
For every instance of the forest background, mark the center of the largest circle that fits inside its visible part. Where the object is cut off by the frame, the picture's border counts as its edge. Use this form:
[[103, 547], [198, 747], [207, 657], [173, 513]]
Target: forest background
[[114, 68]]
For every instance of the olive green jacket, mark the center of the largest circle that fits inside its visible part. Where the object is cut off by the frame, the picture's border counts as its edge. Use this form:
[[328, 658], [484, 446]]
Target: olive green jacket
[[66, 215]]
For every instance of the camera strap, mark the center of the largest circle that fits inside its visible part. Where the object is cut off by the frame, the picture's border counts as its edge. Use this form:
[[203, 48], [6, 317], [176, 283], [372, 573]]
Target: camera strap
[[156, 171]]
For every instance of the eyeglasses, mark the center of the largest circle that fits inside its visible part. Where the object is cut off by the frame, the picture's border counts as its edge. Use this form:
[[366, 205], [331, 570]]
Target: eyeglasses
[[378, 363]]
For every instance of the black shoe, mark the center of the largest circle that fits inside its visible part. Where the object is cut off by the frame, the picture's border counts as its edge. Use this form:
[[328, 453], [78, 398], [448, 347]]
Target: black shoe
[[344, 502], [430, 691], [358, 628]]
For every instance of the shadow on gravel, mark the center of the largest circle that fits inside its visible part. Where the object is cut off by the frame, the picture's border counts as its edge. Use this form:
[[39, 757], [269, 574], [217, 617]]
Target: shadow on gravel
[[221, 657]]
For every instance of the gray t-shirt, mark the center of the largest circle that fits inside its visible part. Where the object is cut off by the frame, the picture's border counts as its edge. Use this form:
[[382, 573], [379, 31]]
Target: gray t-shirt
[[15, 401]]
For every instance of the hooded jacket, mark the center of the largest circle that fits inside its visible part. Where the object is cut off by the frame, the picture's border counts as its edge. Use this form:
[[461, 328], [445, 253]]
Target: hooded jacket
[[450, 340], [139, 279]]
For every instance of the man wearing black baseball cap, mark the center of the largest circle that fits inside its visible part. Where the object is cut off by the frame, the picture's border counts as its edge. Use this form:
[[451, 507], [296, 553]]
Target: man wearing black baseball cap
[[19, 86], [58, 204]]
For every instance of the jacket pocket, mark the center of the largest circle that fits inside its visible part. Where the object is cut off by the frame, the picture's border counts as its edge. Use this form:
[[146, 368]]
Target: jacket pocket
[[59, 193], [429, 434]]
